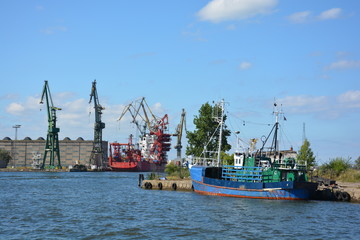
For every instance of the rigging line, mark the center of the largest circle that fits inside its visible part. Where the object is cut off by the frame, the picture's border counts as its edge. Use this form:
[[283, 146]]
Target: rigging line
[[267, 137], [283, 133], [210, 139], [232, 127], [251, 122]]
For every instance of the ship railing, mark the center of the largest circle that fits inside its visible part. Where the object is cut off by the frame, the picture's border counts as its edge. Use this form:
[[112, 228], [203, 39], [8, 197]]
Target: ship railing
[[289, 163], [244, 173]]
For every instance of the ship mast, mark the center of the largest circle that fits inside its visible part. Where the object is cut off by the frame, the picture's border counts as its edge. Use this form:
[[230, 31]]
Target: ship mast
[[275, 145], [221, 123], [275, 140]]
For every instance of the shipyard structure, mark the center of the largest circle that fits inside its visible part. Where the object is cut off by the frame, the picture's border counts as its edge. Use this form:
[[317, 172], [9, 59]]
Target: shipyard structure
[[29, 153]]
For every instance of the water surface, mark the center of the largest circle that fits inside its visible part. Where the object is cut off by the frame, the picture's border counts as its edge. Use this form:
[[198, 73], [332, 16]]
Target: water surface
[[110, 205]]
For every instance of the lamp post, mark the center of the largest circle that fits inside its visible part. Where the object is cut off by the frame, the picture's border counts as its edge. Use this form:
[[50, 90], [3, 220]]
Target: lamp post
[[14, 153], [16, 129]]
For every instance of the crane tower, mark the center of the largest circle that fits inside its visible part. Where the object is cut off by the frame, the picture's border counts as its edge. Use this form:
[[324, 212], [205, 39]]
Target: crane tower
[[97, 153], [52, 139], [179, 132]]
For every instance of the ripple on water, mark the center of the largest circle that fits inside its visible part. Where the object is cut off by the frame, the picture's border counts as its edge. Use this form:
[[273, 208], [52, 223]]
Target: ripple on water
[[111, 206]]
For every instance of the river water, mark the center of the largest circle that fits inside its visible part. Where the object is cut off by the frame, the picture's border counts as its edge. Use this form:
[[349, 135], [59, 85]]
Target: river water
[[110, 205]]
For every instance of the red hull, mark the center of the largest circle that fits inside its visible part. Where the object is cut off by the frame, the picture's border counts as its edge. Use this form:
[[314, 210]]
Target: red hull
[[137, 167]]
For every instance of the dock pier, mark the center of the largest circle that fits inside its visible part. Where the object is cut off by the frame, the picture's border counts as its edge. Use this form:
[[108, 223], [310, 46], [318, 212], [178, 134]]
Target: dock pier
[[174, 185]]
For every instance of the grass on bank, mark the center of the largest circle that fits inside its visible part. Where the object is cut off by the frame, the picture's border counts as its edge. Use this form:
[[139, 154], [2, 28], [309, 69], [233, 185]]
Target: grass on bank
[[348, 175], [340, 169]]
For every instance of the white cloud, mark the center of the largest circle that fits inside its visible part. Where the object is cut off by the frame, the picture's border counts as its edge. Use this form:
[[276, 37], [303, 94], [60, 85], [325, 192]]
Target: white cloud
[[300, 17], [15, 109], [343, 64], [350, 99], [158, 109], [24, 108], [330, 14], [323, 106], [245, 65], [78, 105], [224, 10], [305, 16], [305, 104]]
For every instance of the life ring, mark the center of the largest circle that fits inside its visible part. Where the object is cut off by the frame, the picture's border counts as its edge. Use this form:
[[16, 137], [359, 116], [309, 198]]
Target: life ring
[[174, 186], [338, 195], [160, 186], [345, 196]]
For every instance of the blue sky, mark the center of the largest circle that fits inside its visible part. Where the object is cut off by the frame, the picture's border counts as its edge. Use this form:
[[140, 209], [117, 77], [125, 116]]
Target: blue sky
[[181, 54]]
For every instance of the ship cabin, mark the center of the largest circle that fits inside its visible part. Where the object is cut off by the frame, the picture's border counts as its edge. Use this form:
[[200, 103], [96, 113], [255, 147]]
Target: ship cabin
[[263, 167]]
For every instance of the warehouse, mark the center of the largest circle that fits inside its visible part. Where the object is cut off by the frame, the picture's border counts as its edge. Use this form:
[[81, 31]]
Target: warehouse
[[24, 152]]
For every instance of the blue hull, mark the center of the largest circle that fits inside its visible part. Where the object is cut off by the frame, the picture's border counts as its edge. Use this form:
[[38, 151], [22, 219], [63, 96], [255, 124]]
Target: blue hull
[[265, 193], [281, 190]]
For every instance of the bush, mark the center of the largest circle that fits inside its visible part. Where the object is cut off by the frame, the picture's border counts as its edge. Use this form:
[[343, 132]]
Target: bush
[[357, 163], [153, 176], [335, 167], [5, 155], [175, 171], [350, 175]]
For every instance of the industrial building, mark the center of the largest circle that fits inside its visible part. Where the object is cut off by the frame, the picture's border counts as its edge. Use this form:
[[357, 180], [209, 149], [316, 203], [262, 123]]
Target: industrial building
[[24, 152]]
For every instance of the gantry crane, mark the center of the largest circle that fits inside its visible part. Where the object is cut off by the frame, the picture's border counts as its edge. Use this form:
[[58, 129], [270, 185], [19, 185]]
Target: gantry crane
[[179, 132], [97, 153], [52, 139]]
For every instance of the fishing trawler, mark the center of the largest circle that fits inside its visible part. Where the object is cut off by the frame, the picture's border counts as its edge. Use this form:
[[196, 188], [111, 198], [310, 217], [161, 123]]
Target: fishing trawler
[[255, 174]]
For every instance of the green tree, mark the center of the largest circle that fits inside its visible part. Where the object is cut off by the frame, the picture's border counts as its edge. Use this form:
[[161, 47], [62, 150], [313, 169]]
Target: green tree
[[227, 159], [5, 156], [206, 127], [306, 154], [357, 163]]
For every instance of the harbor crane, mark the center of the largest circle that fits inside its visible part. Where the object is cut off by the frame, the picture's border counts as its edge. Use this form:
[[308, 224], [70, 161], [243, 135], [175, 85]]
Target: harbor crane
[[134, 110], [52, 139], [97, 153], [179, 132], [155, 143]]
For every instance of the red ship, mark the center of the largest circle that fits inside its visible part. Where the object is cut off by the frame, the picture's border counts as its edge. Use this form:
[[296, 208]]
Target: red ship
[[148, 155]]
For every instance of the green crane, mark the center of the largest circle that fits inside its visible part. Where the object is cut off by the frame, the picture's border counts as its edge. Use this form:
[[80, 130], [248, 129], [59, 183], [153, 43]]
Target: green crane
[[97, 154], [52, 139]]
